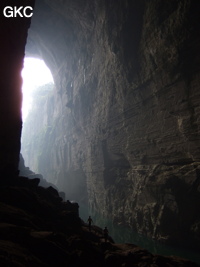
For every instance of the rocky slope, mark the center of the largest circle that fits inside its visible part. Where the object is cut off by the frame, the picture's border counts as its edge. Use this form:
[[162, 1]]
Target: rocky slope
[[125, 110], [38, 229]]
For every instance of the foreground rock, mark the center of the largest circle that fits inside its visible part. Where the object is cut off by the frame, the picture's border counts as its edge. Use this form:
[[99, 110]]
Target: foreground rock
[[38, 229]]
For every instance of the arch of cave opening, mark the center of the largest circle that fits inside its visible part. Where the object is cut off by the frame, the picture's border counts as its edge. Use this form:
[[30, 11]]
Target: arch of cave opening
[[36, 77], [37, 87]]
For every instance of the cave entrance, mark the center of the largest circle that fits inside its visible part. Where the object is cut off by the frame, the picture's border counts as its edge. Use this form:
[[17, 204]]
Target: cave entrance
[[35, 75], [37, 89]]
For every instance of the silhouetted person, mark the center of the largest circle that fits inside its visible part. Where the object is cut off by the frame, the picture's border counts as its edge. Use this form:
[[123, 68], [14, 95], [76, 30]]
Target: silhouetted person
[[105, 233], [90, 221]]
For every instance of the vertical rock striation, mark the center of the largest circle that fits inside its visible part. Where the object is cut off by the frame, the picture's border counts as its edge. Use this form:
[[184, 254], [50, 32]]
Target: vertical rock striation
[[125, 113]]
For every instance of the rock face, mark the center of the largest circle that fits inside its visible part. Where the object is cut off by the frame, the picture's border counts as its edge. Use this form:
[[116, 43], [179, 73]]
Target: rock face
[[13, 32], [124, 118]]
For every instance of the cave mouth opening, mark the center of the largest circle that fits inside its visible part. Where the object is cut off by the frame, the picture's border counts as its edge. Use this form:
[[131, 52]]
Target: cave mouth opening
[[35, 74], [37, 87]]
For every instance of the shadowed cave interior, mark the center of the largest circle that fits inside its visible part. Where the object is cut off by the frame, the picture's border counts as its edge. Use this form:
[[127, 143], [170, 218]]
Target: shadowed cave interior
[[117, 133]]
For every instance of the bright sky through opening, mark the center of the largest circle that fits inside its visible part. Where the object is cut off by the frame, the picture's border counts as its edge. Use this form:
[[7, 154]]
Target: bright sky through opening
[[35, 73]]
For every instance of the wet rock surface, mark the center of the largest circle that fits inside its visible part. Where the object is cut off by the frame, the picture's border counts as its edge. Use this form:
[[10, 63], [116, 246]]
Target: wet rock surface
[[38, 229]]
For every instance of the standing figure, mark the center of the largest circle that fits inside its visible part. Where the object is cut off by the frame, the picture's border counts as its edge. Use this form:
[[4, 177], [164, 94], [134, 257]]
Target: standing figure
[[90, 221], [105, 233]]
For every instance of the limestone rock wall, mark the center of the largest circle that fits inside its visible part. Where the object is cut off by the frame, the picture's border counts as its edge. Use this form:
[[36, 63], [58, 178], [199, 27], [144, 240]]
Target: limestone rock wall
[[126, 108]]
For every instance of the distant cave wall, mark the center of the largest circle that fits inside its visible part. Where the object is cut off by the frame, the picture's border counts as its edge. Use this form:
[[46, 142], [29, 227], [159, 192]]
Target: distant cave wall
[[126, 109], [13, 32]]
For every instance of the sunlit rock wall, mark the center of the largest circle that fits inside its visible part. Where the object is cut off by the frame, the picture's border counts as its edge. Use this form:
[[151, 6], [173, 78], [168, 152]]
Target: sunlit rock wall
[[126, 110], [13, 33]]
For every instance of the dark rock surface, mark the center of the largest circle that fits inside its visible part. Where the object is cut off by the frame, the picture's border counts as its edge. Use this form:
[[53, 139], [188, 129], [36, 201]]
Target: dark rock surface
[[124, 120], [13, 34], [38, 229], [26, 172]]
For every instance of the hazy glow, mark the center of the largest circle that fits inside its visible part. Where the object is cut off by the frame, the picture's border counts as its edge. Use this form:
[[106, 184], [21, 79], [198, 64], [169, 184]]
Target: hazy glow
[[35, 73]]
